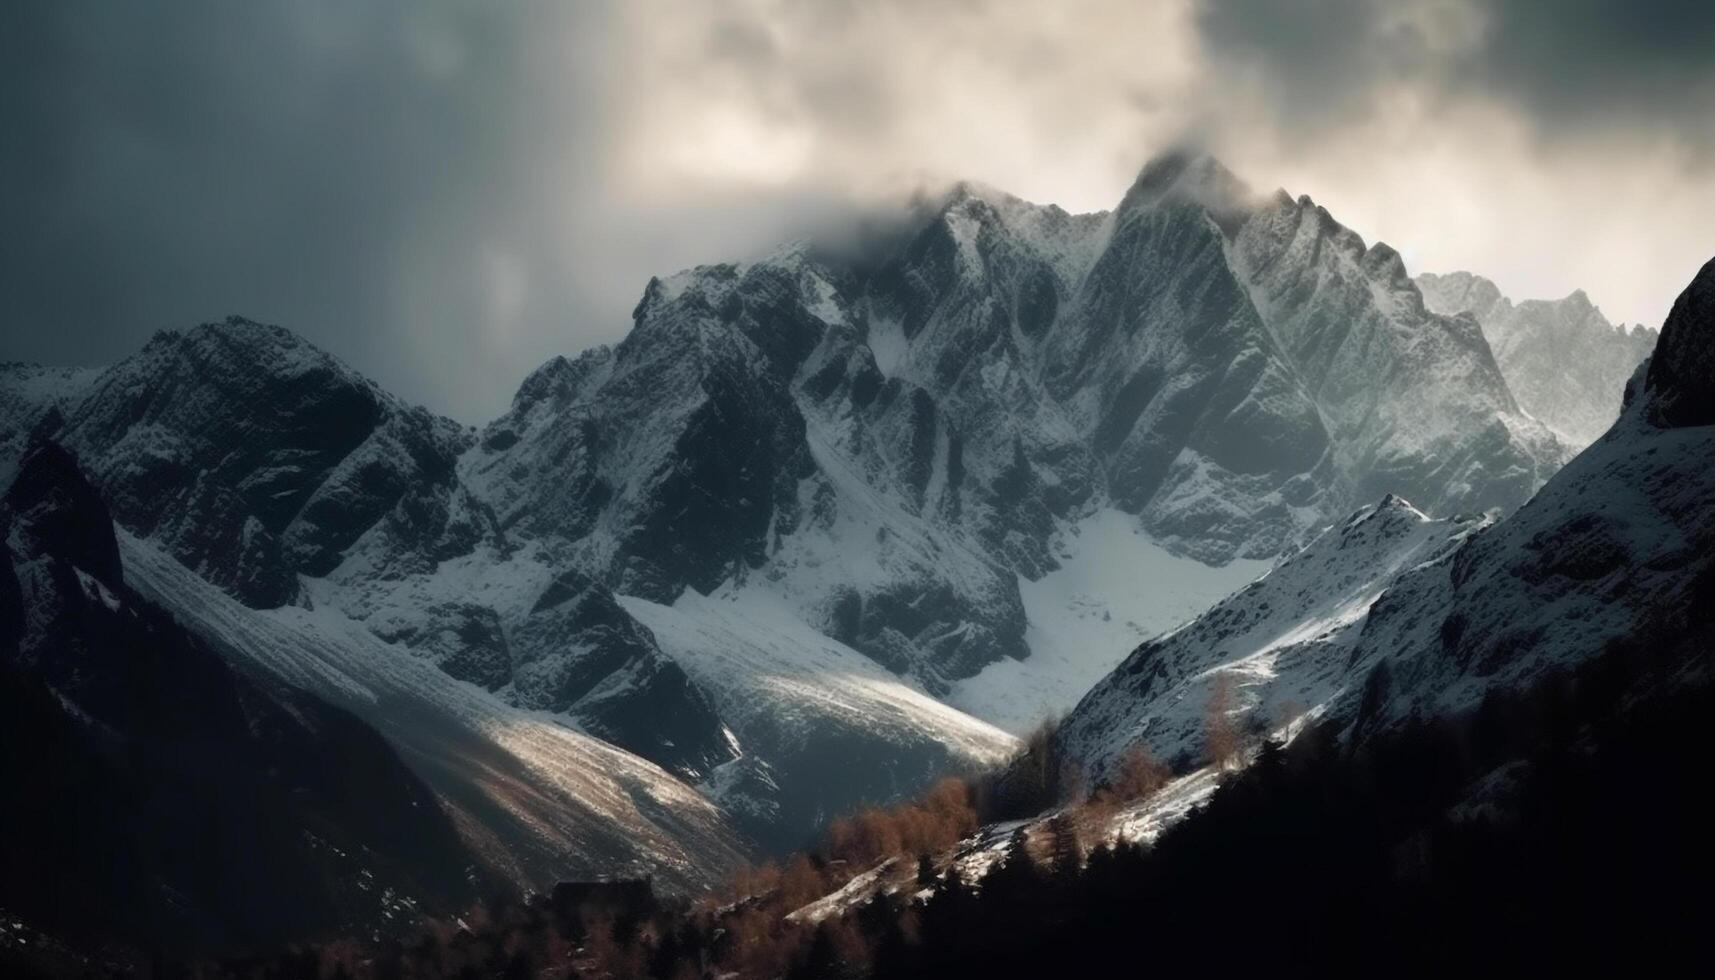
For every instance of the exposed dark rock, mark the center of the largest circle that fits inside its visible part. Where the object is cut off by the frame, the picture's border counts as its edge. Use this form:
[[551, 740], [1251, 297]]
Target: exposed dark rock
[[204, 432], [53, 510], [579, 652], [1682, 372]]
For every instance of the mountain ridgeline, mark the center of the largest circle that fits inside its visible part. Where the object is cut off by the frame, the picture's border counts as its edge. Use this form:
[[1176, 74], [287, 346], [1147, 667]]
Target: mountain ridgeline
[[1393, 616], [786, 519], [1565, 363]]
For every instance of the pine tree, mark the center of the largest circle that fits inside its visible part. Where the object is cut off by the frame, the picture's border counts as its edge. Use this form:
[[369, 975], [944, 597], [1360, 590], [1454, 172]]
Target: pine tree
[[947, 919], [1017, 878], [823, 959], [894, 952]]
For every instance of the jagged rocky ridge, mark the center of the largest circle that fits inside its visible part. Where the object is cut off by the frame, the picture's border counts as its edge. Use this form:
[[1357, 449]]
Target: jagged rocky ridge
[[1392, 614], [1563, 360], [863, 445]]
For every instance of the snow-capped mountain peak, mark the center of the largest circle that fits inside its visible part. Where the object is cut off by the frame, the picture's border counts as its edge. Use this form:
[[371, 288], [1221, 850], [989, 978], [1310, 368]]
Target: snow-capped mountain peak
[[1186, 174]]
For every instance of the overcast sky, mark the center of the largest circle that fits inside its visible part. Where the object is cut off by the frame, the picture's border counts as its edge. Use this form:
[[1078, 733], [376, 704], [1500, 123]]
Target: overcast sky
[[446, 194]]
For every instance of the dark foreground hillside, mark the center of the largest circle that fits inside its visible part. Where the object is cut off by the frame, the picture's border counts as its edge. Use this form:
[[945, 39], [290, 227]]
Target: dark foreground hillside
[[157, 798], [1562, 825]]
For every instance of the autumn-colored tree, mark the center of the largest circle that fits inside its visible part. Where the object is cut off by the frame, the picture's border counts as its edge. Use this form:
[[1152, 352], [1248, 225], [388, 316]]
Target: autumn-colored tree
[[877, 836], [1139, 775], [801, 883], [1073, 785], [951, 797], [942, 817], [758, 943], [1094, 818], [1221, 736], [753, 880], [838, 837]]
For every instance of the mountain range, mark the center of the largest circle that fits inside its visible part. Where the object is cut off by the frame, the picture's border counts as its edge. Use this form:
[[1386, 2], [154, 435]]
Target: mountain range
[[828, 524]]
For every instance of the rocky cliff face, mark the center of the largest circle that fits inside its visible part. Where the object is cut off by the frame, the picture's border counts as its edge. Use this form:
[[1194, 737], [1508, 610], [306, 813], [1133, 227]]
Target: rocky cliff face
[[1198, 421], [1563, 360], [1414, 401], [254, 456], [1234, 371]]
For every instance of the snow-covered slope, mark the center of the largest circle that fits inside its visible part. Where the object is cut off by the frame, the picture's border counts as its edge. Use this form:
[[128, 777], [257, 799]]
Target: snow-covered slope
[[825, 728], [1393, 615], [541, 799], [1115, 588], [1618, 548], [1563, 360], [255, 458], [1279, 647]]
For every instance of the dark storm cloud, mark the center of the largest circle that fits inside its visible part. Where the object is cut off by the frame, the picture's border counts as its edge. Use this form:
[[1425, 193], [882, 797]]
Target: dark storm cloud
[[161, 165], [1316, 62], [1570, 67], [1605, 60]]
